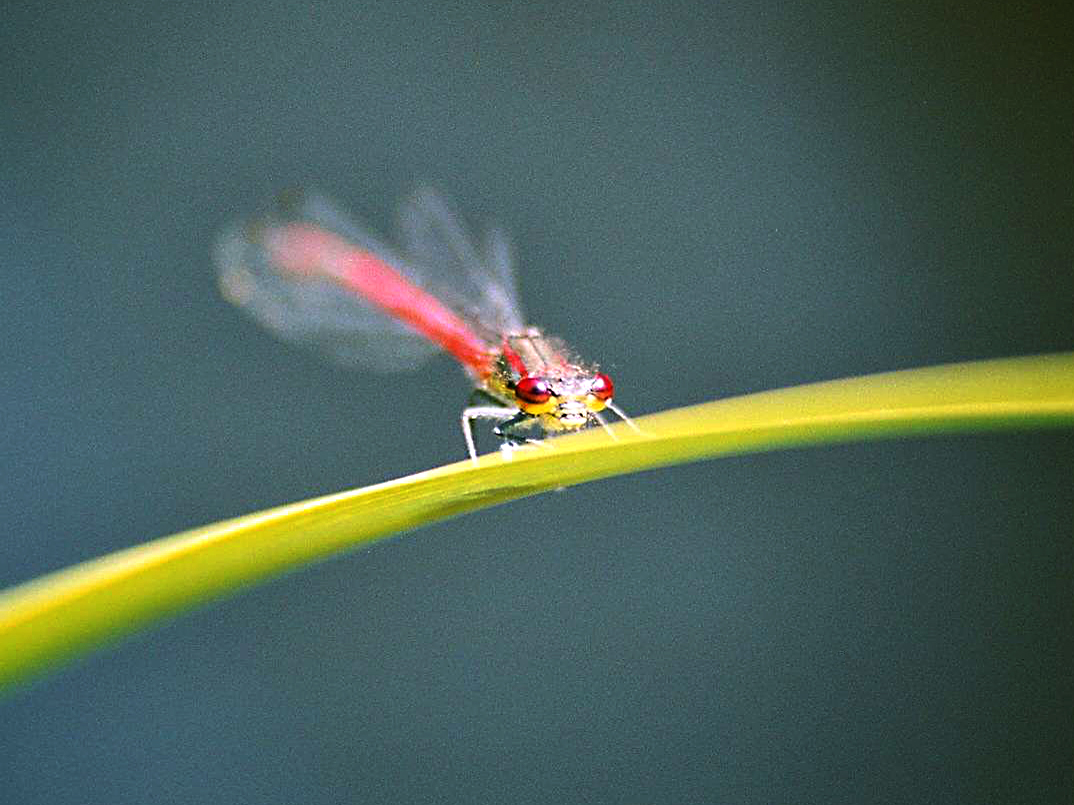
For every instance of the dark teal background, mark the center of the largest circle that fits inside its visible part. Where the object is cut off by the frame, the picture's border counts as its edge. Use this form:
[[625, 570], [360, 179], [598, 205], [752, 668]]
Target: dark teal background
[[707, 198]]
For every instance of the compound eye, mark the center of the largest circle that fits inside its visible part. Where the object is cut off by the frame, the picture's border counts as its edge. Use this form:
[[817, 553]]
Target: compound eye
[[602, 387], [533, 390]]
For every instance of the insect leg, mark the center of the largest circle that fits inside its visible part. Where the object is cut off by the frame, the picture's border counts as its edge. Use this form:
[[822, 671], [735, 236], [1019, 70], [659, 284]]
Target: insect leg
[[482, 412], [619, 412], [603, 424], [509, 432]]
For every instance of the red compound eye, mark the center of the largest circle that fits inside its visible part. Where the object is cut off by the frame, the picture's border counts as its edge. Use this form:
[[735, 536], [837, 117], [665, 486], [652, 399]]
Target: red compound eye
[[533, 390], [602, 388]]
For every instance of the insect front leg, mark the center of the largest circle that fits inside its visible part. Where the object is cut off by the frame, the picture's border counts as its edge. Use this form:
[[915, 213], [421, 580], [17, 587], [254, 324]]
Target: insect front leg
[[473, 412], [622, 415]]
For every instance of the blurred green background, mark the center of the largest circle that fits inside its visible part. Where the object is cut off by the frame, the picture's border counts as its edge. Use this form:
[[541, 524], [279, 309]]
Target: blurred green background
[[709, 199]]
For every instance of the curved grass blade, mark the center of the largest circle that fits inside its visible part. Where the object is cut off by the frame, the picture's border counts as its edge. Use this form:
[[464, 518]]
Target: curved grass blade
[[55, 618]]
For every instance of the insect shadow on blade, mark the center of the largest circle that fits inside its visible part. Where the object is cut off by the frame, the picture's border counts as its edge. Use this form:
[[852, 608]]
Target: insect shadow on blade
[[308, 273]]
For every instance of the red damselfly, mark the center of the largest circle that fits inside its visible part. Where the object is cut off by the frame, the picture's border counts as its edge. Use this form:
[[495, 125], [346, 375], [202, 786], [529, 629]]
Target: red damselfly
[[308, 273]]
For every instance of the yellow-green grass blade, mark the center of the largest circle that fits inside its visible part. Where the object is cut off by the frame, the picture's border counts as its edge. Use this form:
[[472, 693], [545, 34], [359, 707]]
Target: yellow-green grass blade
[[71, 612]]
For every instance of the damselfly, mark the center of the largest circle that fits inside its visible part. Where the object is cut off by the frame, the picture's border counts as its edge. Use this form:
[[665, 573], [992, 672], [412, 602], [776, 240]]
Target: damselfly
[[309, 274]]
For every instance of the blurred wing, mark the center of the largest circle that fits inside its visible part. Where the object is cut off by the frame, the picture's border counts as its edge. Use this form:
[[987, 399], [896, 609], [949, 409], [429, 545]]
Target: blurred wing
[[316, 311], [477, 280]]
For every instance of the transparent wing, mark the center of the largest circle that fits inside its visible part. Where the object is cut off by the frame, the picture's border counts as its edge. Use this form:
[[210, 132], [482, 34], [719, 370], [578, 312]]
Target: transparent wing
[[314, 311], [476, 279]]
